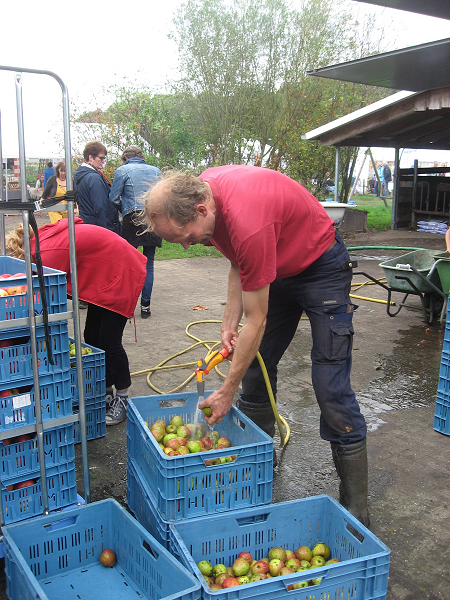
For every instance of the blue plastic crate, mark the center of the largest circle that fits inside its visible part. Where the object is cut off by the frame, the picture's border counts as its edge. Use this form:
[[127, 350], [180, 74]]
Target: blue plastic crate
[[16, 360], [442, 414], [20, 456], [142, 503], [184, 485], [17, 410], [95, 410], [24, 503], [16, 306], [362, 573], [93, 374], [57, 556]]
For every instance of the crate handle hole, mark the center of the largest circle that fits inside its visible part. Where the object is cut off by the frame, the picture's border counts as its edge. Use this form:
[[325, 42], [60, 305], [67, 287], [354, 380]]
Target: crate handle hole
[[150, 550], [172, 403], [355, 533], [250, 520], [60, 524]]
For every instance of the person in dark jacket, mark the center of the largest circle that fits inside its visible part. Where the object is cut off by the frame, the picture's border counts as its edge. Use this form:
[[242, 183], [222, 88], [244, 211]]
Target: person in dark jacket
[[92, 190], [131, 181]]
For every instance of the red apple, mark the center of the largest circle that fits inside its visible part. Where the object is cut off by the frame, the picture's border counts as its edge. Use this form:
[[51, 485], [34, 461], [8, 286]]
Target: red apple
[[108, 558], [224, 442], [230, 582], [260, 567], [246, 555]]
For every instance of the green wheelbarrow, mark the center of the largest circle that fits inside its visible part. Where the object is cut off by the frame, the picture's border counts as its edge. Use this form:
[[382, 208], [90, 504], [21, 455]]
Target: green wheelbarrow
[[423, 273]]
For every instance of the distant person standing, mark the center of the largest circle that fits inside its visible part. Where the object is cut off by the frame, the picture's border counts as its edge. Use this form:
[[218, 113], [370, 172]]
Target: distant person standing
[[387, 178], [49, 171], [379, 185], [55, 188], [92, 189], [131, 181]]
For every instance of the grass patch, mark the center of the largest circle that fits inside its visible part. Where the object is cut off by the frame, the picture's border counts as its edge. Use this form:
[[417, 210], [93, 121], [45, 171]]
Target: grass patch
[[172, 251], [379, 215]]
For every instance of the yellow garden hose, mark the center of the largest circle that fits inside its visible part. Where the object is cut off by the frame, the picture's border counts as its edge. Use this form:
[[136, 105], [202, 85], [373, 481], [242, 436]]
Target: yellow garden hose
[[214, 343]]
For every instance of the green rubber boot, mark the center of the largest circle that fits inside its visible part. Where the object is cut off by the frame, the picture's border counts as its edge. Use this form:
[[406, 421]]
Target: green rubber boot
[[351, 466]]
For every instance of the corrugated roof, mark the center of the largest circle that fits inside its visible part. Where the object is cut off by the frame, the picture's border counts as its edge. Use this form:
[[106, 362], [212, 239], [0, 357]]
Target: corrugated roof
[[415, 69], [432, 8], [403, 120]]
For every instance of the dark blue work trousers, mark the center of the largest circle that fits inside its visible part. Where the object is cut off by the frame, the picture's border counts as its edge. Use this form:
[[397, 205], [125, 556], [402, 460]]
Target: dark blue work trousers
[[322, 291]]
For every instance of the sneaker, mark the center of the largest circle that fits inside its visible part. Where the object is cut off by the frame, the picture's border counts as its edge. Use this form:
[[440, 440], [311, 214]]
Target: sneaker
[[145, 311], [82, 304], [117, 411]]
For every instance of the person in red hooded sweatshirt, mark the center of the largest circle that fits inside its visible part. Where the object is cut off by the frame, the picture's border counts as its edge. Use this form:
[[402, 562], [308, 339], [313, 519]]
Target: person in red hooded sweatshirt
[[111, 274]]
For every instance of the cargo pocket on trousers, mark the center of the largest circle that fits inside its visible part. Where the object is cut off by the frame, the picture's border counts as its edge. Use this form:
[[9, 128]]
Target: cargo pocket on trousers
[[341, 340]]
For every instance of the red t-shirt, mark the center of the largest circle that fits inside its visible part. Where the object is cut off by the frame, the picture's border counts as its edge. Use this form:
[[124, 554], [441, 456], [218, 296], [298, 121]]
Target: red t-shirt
[[267, 224]]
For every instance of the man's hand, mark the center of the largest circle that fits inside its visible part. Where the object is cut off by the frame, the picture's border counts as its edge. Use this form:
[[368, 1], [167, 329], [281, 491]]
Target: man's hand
[[220, 403]]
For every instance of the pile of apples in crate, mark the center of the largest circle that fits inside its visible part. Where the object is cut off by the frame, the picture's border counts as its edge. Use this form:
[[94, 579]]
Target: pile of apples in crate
[[12, 289], [278, 563], [177, 438]]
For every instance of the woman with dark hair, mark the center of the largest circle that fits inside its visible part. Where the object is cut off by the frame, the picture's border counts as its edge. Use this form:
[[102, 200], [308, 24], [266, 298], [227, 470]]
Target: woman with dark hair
[[55, 188], [92, 189], [111, 274]]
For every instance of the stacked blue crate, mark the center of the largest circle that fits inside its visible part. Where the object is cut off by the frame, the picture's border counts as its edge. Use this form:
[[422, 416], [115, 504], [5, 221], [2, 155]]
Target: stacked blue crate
[[20, 477], [162, 489], [94, 393], [442, 410]]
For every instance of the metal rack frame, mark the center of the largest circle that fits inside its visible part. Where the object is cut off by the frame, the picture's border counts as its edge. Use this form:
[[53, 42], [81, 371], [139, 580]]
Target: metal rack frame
[[32, 320]]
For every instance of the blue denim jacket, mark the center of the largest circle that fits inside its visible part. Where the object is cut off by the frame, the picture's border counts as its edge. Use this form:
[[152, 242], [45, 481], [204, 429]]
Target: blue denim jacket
[[130, 182]]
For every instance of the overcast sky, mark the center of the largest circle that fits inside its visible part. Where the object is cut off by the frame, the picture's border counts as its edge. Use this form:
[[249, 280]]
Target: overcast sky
[[93, 44]]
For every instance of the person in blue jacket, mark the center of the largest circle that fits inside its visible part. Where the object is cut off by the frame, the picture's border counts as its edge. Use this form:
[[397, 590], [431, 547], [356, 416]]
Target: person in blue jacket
[[92, 190], [131, 180]]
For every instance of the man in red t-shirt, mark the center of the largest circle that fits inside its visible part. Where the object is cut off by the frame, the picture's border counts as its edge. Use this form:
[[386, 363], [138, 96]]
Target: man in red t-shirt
[[286, 258]]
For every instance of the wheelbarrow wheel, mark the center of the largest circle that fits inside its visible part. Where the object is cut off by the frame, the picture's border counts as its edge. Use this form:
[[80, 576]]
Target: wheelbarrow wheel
[[433, 307]]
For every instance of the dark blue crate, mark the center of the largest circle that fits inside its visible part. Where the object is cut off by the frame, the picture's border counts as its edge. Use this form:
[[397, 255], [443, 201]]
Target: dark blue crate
[[442, 414], [362, 573], [142, 503], [95, 410], [15, 352], [184, 485], [18, 410], [16, 306], [94, 377], [20, 456], [57, 556], [24, 503]]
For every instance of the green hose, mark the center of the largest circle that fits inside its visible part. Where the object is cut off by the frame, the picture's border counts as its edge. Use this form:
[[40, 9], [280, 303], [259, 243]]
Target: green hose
[[350, 248]]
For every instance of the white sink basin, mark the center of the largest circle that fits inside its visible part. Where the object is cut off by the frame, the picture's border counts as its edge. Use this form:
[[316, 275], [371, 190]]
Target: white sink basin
[[335, 211]]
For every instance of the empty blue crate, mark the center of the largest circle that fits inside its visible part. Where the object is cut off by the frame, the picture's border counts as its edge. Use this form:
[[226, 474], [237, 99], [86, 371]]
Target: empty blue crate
[[93, 374], [442, 414], [15, 352], [142, 503], [17, 406], [22, 498], [95, 410], [57, 556], [19, 456], [15, 306], [361, 574], [189, 485]]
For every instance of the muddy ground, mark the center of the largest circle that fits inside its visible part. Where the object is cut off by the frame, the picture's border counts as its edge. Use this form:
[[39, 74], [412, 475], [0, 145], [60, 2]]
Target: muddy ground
[[395, 373]]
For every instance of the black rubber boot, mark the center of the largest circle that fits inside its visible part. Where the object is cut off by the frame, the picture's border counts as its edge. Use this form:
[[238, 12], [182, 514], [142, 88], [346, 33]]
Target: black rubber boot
[[262, 415], [351, 466]]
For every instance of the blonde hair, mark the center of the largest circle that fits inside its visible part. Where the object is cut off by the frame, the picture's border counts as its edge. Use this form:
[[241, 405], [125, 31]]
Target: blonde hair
[[175, 196], [14, 241]]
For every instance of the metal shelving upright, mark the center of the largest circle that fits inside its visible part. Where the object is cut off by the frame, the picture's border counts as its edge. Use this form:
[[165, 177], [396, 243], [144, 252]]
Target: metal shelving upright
[[32, 320]]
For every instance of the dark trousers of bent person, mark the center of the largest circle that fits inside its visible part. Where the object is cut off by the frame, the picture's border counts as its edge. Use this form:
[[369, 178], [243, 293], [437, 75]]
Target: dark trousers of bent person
[[322, 292], [104, 329]]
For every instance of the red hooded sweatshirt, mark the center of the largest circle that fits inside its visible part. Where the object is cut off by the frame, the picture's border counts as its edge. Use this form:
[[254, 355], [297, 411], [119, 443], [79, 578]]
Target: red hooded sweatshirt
[[111, 273]]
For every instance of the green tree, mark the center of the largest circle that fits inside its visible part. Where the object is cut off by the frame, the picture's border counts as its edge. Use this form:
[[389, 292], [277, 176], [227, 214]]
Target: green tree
[[155, 122]]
